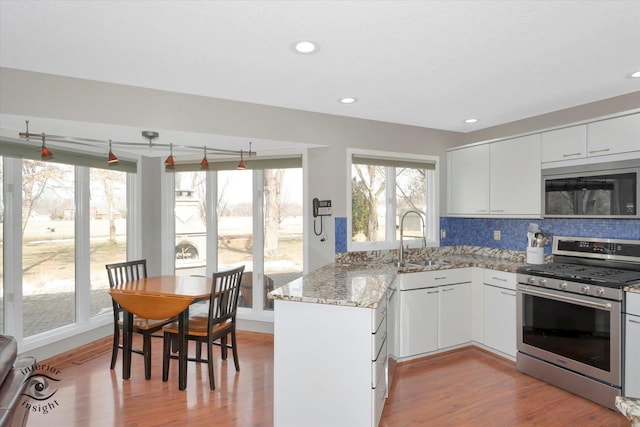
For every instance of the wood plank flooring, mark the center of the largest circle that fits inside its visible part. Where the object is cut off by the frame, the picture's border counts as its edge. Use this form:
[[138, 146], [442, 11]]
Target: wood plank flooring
[[464, 388]]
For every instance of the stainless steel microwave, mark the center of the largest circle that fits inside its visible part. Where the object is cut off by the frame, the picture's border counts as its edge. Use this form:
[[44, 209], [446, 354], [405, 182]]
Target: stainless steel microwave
[[602, 190]]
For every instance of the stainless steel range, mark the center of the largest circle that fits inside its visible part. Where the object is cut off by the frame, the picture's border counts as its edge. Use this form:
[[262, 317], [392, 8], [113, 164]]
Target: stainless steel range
[[569, 312]]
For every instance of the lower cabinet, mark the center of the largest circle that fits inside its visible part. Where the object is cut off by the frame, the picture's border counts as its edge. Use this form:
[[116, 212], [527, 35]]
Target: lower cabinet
[[632, 346], [434, 318], [499, 313], [329, 364]]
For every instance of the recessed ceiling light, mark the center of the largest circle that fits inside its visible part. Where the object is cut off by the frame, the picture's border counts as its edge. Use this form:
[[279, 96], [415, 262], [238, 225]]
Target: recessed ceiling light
[[469, 121], [348, 100], [305, 47], [635, 75]]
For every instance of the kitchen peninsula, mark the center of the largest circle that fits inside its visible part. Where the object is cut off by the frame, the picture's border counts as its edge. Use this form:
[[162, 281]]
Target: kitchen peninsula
[[331, 337]]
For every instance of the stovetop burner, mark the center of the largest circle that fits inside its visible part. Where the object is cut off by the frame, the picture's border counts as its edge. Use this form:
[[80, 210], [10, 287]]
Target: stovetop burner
[[602, 276]]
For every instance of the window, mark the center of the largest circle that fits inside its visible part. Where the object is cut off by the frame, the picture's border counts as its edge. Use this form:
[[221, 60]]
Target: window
[[191, 223], [385, 188]]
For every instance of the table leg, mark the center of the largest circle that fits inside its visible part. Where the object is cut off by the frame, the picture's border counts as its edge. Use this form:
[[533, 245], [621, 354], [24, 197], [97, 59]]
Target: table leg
[[183, 348], [127, 338]]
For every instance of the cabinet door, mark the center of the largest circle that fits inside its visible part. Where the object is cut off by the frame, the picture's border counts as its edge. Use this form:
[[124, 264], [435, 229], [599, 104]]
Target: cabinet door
[[563, 144], [500, 319], [455, 315], [618, 135], [469, 180], [515, 176], [632, 356], [419, 321]]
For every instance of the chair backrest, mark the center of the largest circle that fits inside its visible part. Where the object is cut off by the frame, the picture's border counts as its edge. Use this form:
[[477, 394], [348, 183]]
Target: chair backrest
[[124, 271], [224, 296]]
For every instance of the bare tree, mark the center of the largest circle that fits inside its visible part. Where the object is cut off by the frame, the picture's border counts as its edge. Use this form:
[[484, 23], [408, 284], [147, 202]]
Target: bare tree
[[108, 178], [35, 177], [373, 179], [272, 207]]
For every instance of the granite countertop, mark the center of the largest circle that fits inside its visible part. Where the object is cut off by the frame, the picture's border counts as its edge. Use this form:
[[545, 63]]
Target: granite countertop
[[633, 288], [630, 408], [361, 280]]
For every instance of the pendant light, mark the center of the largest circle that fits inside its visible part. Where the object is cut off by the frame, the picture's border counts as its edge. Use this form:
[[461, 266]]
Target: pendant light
[[112, 159], [204, 164], [45, 153], [241, 164], [170, 162]]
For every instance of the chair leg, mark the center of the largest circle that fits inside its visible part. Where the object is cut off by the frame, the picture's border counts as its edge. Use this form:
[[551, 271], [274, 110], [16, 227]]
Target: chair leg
[[212, 381], [234, 349], [199, 350], [146, 351], [116, 344], [166, 350], [223, 347]]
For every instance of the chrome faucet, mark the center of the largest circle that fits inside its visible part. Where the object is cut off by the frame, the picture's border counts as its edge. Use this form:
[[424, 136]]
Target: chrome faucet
[[424, 232]]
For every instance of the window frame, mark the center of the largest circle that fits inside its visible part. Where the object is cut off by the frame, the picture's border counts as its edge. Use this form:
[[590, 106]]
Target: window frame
[[432, 200]]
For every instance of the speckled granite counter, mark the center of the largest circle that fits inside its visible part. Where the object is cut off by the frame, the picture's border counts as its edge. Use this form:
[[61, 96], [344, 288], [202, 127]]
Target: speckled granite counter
[[361, 279], [337, 284], [635, 289], [630, 408]]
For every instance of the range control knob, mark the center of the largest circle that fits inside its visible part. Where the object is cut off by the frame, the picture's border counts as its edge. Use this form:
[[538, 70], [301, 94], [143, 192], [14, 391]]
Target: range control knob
[[531, 280], [562, 286], [600, 292], [542, 282], [584, 289]]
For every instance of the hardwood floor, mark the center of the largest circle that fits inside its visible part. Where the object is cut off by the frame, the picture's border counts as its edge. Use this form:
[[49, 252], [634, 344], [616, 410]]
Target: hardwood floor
[[463, 388]]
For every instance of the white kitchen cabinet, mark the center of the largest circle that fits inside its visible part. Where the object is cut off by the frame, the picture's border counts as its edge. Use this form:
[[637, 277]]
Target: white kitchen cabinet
[[454, 327], [435, 310], [419, 321], [515, 176], [612, 136], [499, 308], [329, 364], [632, 346], [468, 180], [563, 144], [500, 178]]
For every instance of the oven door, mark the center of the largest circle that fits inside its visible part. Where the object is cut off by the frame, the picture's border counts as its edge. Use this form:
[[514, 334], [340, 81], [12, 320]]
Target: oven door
[[576, 332]]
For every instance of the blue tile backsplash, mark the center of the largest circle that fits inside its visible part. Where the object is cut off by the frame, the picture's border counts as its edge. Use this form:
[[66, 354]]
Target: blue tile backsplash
[[479, 231], [513, 232]]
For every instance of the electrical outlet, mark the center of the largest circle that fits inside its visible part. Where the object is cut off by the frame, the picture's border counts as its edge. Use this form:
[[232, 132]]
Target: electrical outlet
[[443, 234], [496, 235]]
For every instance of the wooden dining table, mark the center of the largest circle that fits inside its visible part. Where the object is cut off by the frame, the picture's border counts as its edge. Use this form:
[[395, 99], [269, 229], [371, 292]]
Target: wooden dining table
[[160, 297]]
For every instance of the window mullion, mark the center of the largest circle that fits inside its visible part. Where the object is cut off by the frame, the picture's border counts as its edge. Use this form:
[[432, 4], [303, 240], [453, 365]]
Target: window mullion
[[258, 239], [391, 205], [82, 244]]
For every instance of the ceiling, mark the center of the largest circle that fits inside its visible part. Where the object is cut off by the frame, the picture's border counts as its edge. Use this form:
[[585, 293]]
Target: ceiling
[[424, 63]]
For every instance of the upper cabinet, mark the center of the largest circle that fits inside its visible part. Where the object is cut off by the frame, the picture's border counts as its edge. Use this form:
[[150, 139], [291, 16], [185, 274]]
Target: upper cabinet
[[602, 138], [563, 144], [468, 177], [501, 178], [612, 136], [515, 176]]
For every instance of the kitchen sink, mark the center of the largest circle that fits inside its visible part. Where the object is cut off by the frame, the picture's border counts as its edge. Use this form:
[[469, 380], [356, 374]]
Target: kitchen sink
[[421, 263]]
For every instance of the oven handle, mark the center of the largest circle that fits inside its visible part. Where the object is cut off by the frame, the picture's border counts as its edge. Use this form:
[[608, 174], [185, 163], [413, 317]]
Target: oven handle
[[604, 306]]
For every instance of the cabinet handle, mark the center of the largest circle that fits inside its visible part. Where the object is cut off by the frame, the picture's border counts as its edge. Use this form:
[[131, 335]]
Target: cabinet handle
[[498, 278], [634, 321], [432, 292], [447, 290], [481, 210], [507, 293], [441, 278], [571, 154], [599, 151], [497, 210]]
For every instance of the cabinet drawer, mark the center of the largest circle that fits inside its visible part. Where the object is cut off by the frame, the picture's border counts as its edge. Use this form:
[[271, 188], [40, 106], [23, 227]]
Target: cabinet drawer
[[502, 279], [378, 366], [633, 303], [378, 315], [427, 279], [377, 340]]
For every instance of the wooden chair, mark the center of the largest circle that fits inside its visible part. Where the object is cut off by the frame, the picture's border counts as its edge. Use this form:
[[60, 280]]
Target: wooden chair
[[119, 273], [218, 325]]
